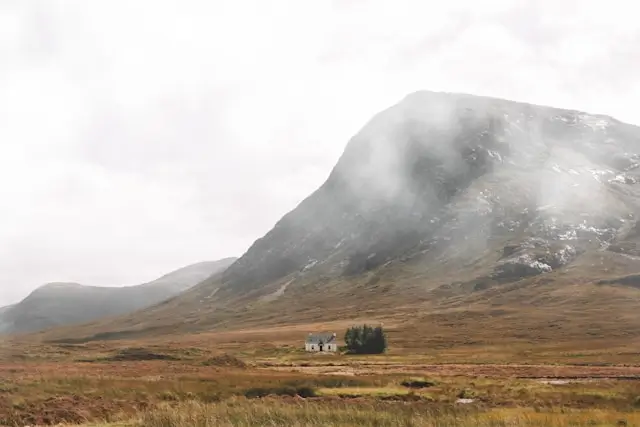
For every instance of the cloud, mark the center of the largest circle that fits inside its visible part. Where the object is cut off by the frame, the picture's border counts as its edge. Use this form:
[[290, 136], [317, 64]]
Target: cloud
[[142, 136]]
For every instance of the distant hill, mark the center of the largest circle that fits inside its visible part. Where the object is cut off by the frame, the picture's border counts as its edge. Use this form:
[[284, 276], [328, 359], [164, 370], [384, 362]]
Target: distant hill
[[452, 215], [58, 304]]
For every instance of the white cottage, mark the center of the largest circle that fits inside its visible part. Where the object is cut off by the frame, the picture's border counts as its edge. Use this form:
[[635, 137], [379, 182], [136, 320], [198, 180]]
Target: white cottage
[[325, 343]]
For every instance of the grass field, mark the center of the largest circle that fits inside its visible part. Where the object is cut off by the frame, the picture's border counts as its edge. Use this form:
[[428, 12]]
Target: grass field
[[262, 377], [298, 414]]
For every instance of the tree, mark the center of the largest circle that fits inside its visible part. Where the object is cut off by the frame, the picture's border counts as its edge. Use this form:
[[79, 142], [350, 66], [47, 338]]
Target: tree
[[365, 339]]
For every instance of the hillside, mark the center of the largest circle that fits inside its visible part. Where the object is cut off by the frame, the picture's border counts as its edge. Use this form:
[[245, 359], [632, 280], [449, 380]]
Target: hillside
[[465, 212], [56, 304]]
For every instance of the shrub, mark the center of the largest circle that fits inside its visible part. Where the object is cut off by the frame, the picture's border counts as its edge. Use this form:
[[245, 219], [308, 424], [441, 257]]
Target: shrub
[[306, 391], [365, 340], [418, 383], [258, 392]]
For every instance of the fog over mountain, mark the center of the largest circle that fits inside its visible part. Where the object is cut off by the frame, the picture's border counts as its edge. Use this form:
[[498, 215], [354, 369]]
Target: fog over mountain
[[136, 139], [442, 202], [453, 172]]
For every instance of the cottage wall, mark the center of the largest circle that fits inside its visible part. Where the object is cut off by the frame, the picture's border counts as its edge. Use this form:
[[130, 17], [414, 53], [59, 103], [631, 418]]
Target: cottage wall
[[331, 347], [328, 342]]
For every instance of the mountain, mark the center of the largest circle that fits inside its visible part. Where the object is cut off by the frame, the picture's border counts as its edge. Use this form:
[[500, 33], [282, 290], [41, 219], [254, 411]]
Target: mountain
[[56, 304], [448, 209], [4, 326]]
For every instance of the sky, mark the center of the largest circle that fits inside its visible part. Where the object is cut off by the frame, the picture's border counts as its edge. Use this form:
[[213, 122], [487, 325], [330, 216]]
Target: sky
[[138, 137]]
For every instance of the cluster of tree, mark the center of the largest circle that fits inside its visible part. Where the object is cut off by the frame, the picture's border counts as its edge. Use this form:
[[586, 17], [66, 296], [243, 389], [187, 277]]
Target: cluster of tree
[[365, 339]]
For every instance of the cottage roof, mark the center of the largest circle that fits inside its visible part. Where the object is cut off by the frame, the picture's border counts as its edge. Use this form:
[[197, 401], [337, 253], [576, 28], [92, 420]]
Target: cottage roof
[[320, 338]]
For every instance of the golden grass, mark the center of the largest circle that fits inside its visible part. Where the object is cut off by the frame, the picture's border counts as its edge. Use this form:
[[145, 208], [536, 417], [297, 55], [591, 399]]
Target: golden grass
[[42, 384], [242, 413], [37, 393]]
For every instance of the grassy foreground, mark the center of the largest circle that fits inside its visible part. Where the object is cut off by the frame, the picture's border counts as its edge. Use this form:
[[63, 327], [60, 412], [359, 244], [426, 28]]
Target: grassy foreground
[[242, 413], [192, 382]]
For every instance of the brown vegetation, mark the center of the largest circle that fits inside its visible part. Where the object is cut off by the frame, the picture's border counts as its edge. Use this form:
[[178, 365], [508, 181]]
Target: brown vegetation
[[249, 380], [367, 413], [225, 360]]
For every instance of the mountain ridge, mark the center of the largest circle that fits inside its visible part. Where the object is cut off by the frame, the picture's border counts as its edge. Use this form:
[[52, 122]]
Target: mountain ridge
[[439, 202], [63, 303]]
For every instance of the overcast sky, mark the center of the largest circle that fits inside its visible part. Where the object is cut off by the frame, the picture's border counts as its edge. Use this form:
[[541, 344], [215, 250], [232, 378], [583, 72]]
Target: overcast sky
[[137, 137]]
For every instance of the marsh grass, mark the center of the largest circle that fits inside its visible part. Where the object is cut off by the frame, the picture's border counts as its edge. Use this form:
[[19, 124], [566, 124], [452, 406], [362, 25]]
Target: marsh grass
[[240, 413], [223, 389]]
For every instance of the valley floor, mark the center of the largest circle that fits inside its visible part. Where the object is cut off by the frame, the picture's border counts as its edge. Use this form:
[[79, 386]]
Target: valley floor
[[262, 377]]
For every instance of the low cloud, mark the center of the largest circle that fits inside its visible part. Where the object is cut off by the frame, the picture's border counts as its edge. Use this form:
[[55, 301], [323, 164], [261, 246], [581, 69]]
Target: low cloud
[[138, 138]]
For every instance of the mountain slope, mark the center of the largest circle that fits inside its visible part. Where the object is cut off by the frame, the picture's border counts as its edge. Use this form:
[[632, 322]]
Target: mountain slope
[[57, 304], [442, 202]]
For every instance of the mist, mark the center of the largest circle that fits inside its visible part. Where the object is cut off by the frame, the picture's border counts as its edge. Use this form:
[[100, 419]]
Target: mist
[[468, 174], [136, 142]]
